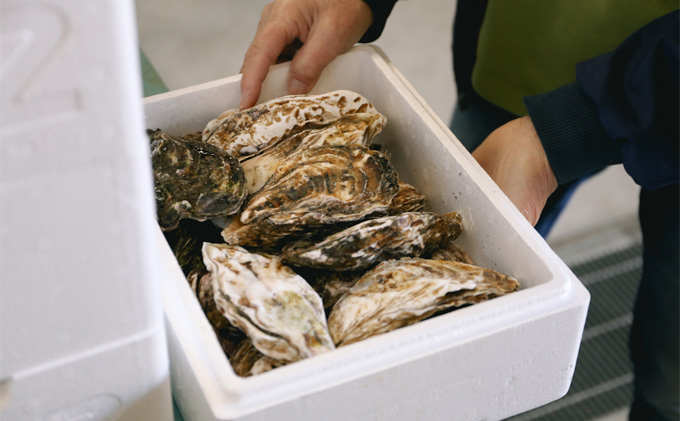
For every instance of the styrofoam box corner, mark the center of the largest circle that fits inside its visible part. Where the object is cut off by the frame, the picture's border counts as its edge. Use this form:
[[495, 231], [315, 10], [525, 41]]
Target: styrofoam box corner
[[82, 324], [487, 361]]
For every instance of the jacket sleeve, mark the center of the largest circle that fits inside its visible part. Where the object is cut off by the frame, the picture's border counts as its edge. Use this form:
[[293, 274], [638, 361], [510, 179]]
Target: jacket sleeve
[[623, 108], [381, 11]]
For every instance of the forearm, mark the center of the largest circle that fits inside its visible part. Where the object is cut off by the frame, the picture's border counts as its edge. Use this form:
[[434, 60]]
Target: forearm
[[623, 108]]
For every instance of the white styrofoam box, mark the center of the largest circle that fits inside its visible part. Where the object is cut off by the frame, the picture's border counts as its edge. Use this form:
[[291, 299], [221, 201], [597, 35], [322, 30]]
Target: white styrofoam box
[[83, 334], [486, 361]]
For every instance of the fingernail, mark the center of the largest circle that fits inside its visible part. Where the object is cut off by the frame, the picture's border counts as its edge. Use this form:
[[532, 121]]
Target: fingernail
[[296, 87]]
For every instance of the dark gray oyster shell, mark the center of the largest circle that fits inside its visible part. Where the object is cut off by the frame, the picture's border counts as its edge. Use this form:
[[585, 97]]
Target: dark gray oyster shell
[[398, 293], [370, 242], [330, 285], [248, 361], [193, 180], [186, 242], [325, 185], [353, 129], [243, 133], [274, 306]]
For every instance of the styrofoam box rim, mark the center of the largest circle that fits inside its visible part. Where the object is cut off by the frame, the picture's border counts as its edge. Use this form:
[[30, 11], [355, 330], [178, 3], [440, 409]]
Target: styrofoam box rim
[[230, 396]]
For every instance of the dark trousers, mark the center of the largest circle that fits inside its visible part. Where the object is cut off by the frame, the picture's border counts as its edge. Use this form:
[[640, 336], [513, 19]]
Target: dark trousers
[[654, 334]]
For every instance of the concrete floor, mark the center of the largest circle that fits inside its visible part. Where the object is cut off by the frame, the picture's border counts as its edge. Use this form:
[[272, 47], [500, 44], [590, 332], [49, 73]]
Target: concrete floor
[[195, 41]]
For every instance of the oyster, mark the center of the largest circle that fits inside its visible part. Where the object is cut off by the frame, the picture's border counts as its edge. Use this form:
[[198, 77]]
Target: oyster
[[193, 180], [228, 336], [401, 292], [332, 285], [206, 298], [408, 199], [243, 133], [193, 277], [370, 242], [450, 251], [186, 242], [262, 236], [248, 361], [274, 306], [230, 339], [325, 185], [354, 129]]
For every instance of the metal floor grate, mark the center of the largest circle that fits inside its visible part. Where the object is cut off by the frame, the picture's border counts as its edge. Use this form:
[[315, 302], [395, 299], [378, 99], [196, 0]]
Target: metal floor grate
[[603, 377]]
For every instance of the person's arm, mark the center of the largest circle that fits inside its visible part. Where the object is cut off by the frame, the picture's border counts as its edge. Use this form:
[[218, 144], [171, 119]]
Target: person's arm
[[316, 30], [622, 108], [381, 11]]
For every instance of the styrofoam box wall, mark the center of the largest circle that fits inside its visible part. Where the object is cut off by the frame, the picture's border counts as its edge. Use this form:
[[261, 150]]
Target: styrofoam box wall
[[487, 361], [82, 324]]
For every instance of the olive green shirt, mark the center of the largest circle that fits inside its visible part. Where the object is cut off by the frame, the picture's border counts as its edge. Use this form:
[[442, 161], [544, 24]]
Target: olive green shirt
[[528, 47]]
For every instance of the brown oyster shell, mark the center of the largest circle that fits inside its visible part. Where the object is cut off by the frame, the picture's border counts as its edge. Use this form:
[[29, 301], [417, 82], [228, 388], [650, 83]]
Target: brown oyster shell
[[230, 339], [247, 361], [228, 336], [408, 199], [261, 236], [325, 185], [354, 129], [206, 298], [193, 180], [398, 293], [273, 305], [450, 251], [243, 133], [365, 244]]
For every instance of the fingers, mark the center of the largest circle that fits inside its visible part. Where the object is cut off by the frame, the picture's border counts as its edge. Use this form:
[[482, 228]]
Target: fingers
[[333, 33], [323, 45], [326, 28], [262, 53]]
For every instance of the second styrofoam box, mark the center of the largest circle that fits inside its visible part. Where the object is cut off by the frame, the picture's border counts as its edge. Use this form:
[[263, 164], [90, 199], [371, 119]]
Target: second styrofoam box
[[487, 361]]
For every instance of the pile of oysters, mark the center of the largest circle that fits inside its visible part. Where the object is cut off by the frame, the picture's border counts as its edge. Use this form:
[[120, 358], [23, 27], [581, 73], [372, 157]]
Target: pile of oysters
[[297, 234]]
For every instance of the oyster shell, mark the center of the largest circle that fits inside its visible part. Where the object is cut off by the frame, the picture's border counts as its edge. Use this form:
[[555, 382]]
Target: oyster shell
[[186, 242], [248, 361], [274, 306], [243, 133], [230, 339], [228, 336], [370, 242], [261, 236], [399, 293], [206, 298], [332, 285], [193, 180], [325, 185], [408, 199], [354, 129], [450, 251]]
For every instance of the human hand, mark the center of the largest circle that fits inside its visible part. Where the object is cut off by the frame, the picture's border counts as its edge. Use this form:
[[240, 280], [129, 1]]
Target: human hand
[[514, 158], [316, 31]]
